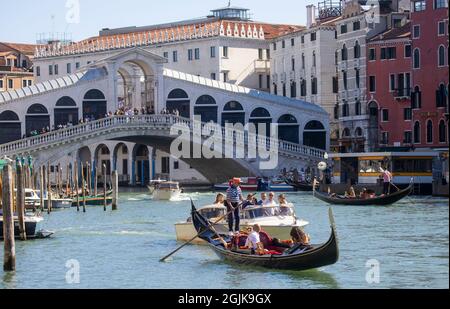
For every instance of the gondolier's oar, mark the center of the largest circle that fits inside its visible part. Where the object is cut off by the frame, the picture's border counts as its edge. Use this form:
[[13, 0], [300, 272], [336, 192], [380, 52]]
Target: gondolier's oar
[[198, 235]]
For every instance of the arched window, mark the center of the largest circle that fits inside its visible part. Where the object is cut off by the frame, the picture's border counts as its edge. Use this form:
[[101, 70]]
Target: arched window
[[303, 88], [357, 50], [429, 132], [66, 101], [178, 94], [293, 89], [345, 109], [441, 96], [416, 98], [314, 135], [358, 108], [288, 129], [261, 116], [206, 108], [417, 132], [10, 127], [178, 100], [358, 132], [233, 113], [442, 132], [303, 61], [441, 56], [344, 53], [37, 109], [346, 132], [314, 85], [314, 59], [416, 61], [94, 105]]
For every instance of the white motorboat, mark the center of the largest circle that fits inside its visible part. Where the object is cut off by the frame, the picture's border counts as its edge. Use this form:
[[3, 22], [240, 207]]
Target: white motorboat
[[277, 221], [33, 200], [164, 190]]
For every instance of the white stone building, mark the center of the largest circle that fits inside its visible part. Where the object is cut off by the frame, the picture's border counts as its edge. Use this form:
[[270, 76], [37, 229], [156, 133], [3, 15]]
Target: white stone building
[[303, 62]]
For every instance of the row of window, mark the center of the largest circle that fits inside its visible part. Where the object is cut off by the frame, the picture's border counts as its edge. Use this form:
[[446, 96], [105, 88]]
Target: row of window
[[25, 83], [421, 5], [355, 26], [441, 59], [356, 51], [357, 79], [194, 54], [293, 88], [388, 53], [410, 137], [312, 38], [440, 30], [53, 69]]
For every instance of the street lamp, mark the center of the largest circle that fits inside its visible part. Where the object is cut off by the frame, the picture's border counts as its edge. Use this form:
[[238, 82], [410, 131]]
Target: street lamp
[[326, 156]]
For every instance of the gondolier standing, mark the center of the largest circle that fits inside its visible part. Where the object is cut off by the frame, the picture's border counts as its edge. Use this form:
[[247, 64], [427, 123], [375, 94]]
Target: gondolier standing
[[387, 179], [233, 202]]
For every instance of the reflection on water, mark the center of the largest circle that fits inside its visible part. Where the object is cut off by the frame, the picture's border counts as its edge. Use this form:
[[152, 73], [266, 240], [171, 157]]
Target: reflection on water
[[122, 249]]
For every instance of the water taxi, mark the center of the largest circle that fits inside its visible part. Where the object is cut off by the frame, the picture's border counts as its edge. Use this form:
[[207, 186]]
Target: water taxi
[[275, 220], [164, 190]]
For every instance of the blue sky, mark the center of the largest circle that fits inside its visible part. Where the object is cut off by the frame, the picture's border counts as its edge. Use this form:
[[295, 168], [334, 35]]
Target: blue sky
[[27, 18]]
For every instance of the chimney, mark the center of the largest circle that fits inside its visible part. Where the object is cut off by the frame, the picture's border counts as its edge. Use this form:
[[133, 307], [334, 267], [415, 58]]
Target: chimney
[[310, 15]]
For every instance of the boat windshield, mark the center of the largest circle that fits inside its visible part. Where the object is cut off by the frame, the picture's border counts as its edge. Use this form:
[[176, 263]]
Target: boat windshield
[[168, 186], [210, 213], [267, 211]]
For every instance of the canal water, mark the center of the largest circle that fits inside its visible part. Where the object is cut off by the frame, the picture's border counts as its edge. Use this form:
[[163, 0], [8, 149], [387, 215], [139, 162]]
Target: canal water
[[408, 243]]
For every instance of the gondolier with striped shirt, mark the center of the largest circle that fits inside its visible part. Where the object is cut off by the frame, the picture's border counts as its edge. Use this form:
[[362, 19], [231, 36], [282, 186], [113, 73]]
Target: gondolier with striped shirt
[[233, 202]]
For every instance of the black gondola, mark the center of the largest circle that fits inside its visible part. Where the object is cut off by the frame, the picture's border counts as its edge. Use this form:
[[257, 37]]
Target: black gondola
[[299, 186], [292, 259], [381, 200]]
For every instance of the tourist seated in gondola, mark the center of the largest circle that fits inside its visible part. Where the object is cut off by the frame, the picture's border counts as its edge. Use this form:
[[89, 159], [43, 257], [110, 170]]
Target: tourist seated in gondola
[[301, 240], [253, 241], [350, 193], [363, 194]]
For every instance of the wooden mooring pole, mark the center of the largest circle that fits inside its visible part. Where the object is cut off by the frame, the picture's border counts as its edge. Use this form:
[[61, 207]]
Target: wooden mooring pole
[[95, 181], [77, 188], [115, 188], [9, 257], [41, 187], [49, 190], [104, 186], [83, 187], [20, 199]]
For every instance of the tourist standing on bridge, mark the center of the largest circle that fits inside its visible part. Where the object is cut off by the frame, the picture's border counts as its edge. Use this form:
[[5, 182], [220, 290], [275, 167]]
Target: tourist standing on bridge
[[233, 204]]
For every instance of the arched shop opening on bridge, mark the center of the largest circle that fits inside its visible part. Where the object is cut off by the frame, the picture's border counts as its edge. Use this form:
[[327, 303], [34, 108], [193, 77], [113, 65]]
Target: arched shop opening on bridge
[[206, 108], [315, 135], [84, 156], [94, 105], [102, 157], [120, 162], [141, 165], [288, 129], [233, 113], [261, 116], [10, 127], [37, 119], [66, 112], [179, 100]]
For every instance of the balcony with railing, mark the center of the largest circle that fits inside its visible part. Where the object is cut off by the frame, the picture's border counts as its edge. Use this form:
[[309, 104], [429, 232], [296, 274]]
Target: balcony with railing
[[402, 94]]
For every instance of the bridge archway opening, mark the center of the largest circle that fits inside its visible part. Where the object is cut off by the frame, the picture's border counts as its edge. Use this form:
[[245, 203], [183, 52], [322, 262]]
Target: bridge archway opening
[[94, 105], [178, 100], [84, 156], [315, 135], [120, 162], [136, 86], [233, 113], [261, 116], [141, 165], [66, 112], [288, 129], [10, 127], [37, 119], [206, 108]]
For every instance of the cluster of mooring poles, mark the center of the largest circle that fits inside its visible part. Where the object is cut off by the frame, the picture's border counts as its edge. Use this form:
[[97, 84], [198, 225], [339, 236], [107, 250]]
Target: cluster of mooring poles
[[13, 203]]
